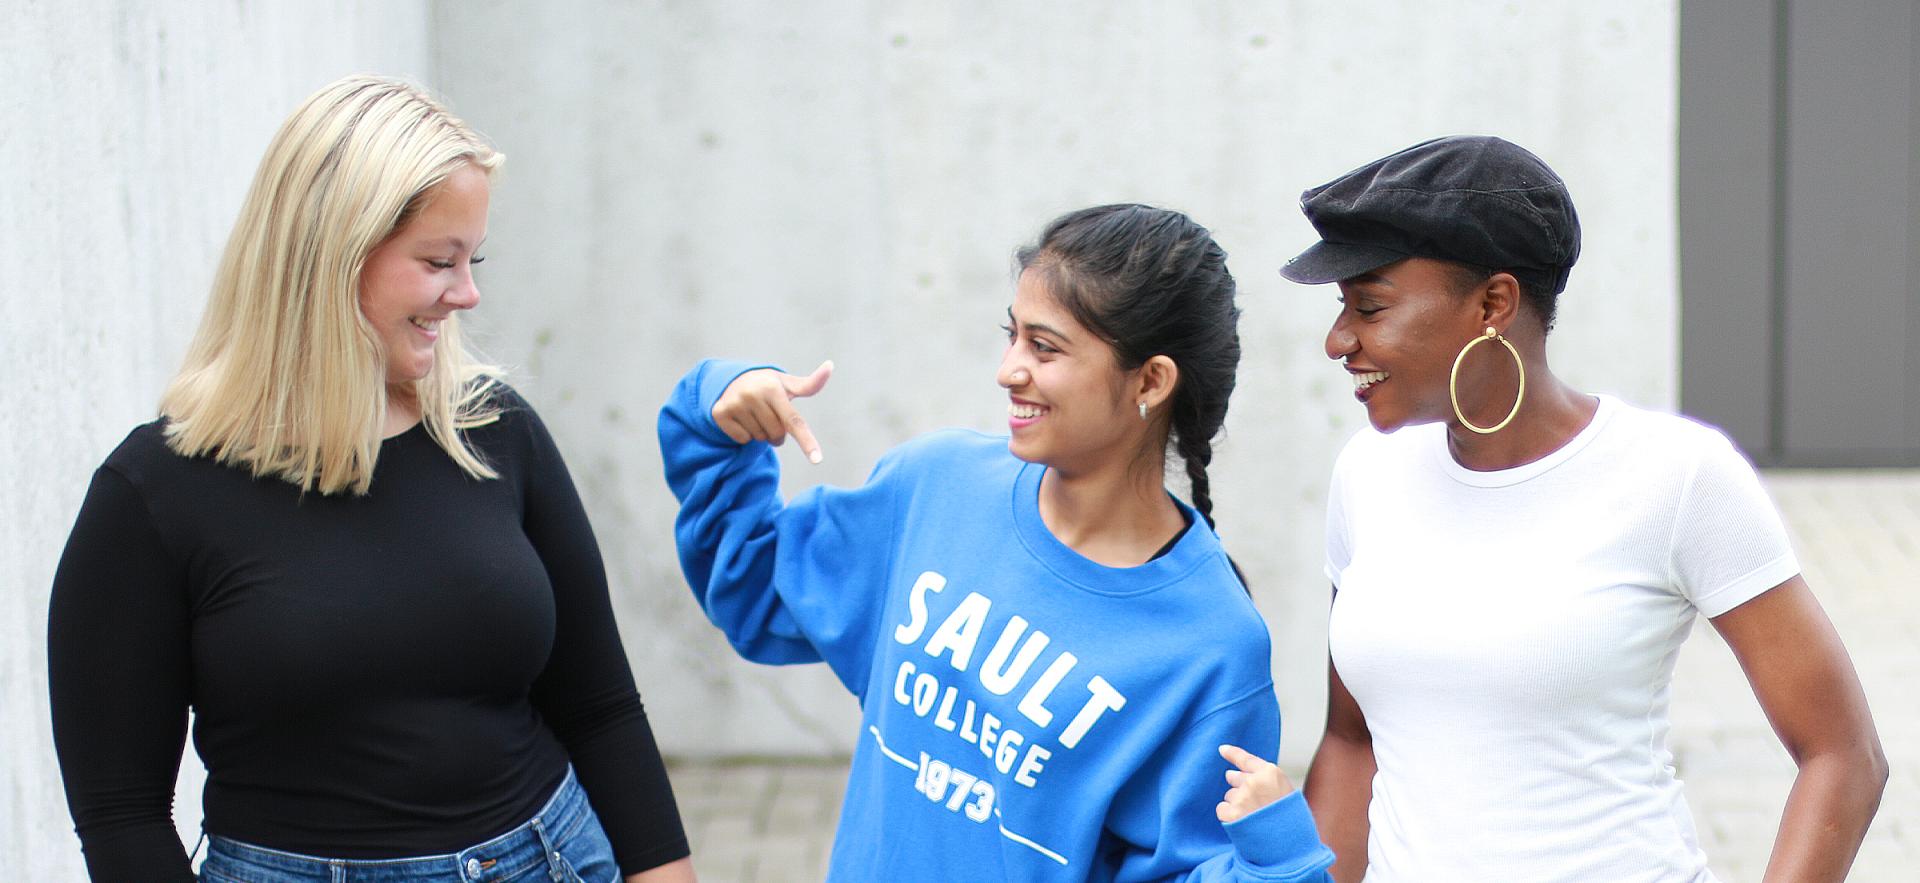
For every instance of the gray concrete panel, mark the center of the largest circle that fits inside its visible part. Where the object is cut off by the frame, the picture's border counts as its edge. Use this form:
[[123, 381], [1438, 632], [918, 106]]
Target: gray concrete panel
[[1726, 203], [1912, 357], [1847, 210]]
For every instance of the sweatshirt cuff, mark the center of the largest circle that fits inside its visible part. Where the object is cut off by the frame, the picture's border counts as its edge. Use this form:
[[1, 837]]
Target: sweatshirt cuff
[[711, 379], [1280, 841]]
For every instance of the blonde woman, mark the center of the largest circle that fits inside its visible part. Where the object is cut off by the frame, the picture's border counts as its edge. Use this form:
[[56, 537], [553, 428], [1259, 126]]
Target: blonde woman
[[357, 556]]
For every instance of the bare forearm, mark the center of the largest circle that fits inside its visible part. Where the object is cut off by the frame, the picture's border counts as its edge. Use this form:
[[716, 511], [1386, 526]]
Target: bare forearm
[[1832, 802], [1813, 699], [680, 871], [1339, 787], [672, 872]]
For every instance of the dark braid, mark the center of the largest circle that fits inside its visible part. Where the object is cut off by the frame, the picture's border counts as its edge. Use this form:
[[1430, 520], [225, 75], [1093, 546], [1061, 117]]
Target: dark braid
[[1198, 453], [1152, 282]]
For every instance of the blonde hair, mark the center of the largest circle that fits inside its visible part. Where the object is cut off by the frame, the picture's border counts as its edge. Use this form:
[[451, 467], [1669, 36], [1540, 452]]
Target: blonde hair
[[286, 377]]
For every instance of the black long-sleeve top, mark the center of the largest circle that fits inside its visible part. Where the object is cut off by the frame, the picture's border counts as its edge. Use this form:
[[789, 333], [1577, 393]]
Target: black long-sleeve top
[[407, 672]]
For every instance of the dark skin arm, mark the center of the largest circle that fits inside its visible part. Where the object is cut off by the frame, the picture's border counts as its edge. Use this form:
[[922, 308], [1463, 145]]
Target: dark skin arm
[[1806, 684], [1340, 781]]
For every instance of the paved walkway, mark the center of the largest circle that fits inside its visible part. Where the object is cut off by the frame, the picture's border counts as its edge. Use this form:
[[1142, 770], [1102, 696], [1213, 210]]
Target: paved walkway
[[1858, 535]]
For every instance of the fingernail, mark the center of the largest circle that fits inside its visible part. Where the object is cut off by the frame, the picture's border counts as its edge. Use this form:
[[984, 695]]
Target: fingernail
[[814, 457]]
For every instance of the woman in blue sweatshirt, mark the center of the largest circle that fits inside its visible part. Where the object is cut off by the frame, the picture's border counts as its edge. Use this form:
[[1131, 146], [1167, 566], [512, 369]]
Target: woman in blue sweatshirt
[[1051, 652]]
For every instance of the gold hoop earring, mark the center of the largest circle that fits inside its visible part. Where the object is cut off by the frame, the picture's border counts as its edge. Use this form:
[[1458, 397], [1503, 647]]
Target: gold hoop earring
[[1453, 382]]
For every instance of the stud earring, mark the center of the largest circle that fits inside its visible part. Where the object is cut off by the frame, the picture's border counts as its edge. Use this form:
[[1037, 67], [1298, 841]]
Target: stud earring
[[1143, 410]]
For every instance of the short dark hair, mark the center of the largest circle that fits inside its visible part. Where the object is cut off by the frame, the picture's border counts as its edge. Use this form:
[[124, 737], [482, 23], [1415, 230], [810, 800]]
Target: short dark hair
[[1152, 282], [1467, 276]]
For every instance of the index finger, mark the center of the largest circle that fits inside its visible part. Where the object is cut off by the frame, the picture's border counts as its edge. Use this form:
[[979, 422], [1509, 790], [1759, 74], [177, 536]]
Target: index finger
[[1243, 758], [797, 427]]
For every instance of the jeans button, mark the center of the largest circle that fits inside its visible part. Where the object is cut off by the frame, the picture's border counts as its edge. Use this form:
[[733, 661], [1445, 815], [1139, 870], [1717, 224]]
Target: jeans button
[[473, 867]]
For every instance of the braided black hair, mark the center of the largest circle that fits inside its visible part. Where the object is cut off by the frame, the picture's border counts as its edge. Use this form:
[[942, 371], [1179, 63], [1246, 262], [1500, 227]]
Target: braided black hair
[[1152, 282]]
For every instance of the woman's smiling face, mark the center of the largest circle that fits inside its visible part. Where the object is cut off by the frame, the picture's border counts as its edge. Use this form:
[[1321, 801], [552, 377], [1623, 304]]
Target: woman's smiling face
[[1067, 406], [423, 273], [1398, 331]]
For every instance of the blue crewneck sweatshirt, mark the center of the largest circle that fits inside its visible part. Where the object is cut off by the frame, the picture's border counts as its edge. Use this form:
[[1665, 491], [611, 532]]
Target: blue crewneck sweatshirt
[[1026, 713]]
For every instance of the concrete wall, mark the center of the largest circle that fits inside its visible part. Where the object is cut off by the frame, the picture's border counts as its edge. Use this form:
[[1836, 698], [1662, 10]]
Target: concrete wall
[[128, 134], [776, 181], [785, 182]]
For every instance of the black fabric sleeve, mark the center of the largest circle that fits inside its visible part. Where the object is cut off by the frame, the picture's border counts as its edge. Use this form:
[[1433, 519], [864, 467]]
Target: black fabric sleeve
[[586, 692], [119, 670]]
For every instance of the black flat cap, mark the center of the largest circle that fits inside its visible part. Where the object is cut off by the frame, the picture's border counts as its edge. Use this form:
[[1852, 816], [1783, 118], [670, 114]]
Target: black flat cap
[[1472, 199]]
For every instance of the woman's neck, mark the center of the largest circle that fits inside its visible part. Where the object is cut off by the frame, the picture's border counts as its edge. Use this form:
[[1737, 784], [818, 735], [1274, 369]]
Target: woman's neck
[[403, 412], [1550, 416], [1118, 517]]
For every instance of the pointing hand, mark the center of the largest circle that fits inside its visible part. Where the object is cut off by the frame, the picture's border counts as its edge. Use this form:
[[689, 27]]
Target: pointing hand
[[758, 406]]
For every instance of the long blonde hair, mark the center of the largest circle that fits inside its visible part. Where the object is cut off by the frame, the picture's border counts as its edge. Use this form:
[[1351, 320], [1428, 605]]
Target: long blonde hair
[[286, 377]]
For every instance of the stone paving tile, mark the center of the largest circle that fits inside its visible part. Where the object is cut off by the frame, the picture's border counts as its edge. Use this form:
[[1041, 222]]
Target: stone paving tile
[[1858, 536], [760, 820]]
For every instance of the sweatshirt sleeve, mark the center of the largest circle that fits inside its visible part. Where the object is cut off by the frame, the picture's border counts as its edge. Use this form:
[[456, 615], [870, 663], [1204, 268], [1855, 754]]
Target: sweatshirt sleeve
[[786, 582], [586, 692], [1166, 812], [118, 669]]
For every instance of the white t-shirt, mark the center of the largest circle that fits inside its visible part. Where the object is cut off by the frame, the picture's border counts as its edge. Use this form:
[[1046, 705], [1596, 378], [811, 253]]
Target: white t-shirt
[[1510, 637]]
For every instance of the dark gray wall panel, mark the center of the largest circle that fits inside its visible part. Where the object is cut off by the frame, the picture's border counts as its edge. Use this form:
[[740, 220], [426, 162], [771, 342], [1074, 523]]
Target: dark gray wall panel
[[1726, 206], [1847, 221], [1799, 187], [1912, 352]]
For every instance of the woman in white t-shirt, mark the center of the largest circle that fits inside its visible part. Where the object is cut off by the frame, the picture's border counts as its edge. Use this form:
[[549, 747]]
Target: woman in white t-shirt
[[1516, 563]]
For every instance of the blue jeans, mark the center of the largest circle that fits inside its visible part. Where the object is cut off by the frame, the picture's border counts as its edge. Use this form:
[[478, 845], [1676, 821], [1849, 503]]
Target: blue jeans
[[562, 843]]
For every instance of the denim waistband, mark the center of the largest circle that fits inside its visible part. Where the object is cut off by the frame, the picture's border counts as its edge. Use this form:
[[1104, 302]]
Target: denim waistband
[[507, 856]]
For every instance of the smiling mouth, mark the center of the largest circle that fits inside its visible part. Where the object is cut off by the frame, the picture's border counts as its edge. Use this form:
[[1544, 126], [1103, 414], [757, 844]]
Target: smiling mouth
[[1024, 411], [1363, 381]]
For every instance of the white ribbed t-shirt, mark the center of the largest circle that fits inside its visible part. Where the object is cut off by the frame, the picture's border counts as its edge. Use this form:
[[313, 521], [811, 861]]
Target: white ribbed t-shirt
[[1510, 637]]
